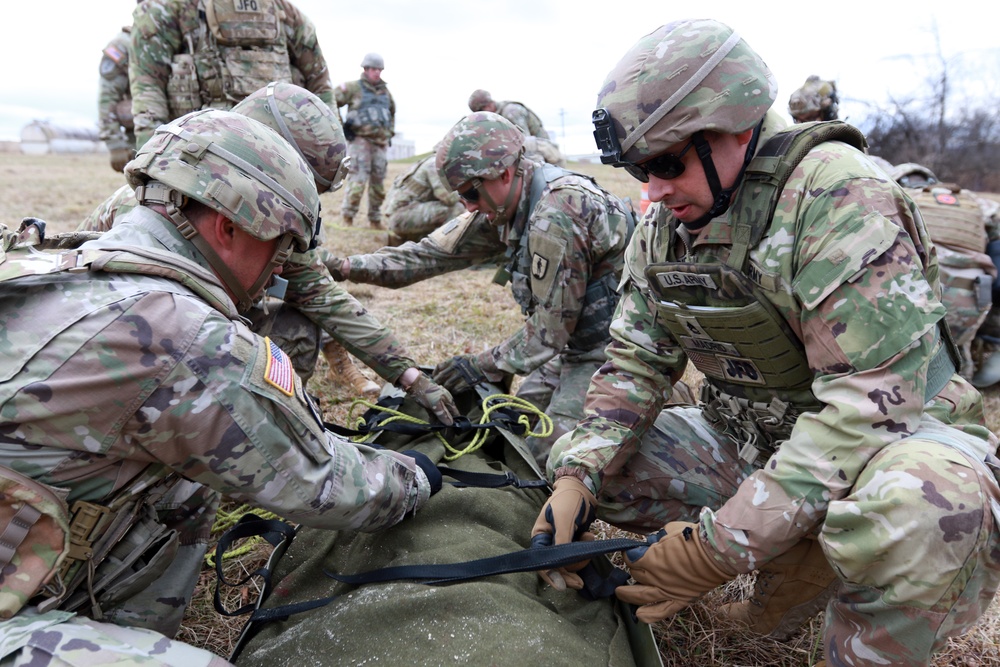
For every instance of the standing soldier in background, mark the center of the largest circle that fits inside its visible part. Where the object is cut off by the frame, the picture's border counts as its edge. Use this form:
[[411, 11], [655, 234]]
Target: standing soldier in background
[[560, 238], [834, 449], [314, 307], [419, 202], [960, 229], [538, 144], [114, 101], [196, 54], [369, 126], [815, 100]]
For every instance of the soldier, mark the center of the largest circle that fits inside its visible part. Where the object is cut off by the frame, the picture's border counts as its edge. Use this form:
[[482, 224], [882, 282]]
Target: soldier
[[834, 448], [114, 101], [196, 54], [418, 203], [815, 100], [538, 144], [958, 224], [370, 126], [560, 237], [314, 306], [129, 377]]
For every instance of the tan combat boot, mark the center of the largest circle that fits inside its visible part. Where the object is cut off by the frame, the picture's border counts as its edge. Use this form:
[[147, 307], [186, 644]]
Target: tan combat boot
[[344, 372], [789, 591]]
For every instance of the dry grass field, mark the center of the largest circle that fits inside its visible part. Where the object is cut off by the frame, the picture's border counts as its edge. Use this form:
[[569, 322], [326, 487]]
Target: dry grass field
[[436, 319]]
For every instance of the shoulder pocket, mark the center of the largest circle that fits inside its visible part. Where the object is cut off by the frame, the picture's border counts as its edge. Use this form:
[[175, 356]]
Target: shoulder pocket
[[864, 242]]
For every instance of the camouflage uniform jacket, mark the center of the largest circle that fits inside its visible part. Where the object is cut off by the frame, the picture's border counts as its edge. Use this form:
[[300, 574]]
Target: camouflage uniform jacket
[[523, 117], [576, 237], [855, 278], [116, 131], [366, 102], [419, 183], [117, 375], [165, 30], [311, 290]]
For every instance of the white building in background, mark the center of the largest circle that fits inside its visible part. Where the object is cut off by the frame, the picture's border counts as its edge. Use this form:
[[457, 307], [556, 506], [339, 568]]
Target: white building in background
[[401, 148], [41, 137]]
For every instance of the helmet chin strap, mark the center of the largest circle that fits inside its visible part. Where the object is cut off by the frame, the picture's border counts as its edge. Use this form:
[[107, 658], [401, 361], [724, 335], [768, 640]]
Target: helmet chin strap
[[721, 197], [502, 211], [173, 201]]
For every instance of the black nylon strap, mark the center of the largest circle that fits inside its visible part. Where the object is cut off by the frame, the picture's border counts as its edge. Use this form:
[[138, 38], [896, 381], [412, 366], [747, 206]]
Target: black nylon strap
[[525, 560]]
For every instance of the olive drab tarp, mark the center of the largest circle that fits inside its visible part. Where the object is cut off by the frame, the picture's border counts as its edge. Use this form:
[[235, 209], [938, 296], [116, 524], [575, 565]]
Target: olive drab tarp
[[511, 619]]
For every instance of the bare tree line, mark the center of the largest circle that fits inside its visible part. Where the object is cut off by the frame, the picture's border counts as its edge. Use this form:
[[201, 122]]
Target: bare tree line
[[957, 138]]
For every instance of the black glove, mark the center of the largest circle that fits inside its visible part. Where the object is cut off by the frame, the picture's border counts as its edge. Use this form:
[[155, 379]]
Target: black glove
[[465, 371], [433, 474]]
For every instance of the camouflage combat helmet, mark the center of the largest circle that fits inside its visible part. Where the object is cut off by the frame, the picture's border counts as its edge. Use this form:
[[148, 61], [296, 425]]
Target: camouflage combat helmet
[[674, 84], [479, 100], [305, 122], [238, 167], [815, 96], [912, 175], [373, 60], [684, 77], [480, 146]]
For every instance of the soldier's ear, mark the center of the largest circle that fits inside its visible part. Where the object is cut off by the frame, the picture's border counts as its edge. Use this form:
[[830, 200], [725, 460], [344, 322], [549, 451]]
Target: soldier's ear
[[219, 231]]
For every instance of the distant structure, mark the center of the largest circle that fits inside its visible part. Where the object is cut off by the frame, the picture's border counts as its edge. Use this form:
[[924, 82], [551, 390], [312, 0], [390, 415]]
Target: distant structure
[[401, 148], [41, 137]]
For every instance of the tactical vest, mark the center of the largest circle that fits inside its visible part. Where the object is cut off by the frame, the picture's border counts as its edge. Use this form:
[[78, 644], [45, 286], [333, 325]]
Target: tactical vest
[[601, 297], [757, 376], [373, 109], [953, 218], [242, 49], [90, 555]]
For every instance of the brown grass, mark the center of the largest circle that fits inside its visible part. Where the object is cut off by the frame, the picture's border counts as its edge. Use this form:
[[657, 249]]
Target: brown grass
[[450, 315]]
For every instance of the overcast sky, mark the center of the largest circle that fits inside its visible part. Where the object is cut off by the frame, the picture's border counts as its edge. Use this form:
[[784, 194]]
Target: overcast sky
[[552, 55]]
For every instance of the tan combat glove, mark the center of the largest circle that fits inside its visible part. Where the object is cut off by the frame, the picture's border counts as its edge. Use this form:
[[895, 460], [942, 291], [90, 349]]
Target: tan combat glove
[[671, 573], [565, 518], [121, 157]]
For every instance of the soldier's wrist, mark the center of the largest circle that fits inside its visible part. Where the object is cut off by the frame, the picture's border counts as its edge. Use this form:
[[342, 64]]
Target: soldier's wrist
[[408, 377]]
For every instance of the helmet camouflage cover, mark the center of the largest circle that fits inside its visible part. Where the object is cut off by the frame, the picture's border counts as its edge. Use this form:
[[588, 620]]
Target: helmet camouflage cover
[[236, 166], [911, 174], [482, 145], [479, 99], [305, 122], [684, 77], [814, 96]]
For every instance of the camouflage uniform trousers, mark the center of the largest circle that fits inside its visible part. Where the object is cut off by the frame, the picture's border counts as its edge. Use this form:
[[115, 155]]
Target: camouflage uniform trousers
[[58, 639], [967, 305], [297, 336], [558, 388], [414, 221], [916, 542], [368, 166]]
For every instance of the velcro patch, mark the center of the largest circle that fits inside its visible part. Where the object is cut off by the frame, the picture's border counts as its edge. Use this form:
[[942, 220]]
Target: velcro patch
[[279, 372], [946, 199], [547, 253], [539, 266]]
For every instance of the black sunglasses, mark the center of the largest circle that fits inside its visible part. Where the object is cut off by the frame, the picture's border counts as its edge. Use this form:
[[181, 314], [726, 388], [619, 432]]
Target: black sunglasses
[[470, 195], [665, 166]]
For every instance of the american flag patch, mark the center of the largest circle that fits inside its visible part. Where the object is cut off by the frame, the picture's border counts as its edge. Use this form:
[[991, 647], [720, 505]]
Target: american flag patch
[[279, 372]]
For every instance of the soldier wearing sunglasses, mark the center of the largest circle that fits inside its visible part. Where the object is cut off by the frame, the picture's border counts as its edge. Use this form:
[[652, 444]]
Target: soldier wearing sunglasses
[[559, 238], [835, 450]]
